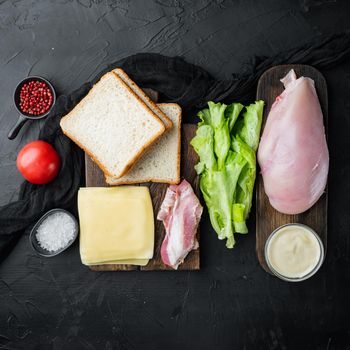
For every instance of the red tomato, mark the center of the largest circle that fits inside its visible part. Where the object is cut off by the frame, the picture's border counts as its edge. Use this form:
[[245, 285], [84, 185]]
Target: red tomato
[[38, 162]]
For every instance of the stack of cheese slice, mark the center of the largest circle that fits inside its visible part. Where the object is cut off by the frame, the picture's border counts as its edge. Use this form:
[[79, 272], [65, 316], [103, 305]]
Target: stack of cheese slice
[[116, 225]]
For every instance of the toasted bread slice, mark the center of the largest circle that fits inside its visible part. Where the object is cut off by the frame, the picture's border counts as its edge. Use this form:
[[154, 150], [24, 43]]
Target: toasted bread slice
[[141, 94], [113, 125], [161, 162]]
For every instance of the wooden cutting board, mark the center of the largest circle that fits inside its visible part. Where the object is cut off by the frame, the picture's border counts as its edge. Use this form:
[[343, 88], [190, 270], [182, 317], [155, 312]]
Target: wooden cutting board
[[267, 218], [95, 178]]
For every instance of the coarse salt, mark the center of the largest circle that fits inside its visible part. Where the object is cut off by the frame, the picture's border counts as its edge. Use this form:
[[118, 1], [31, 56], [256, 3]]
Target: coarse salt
[[56, 231]]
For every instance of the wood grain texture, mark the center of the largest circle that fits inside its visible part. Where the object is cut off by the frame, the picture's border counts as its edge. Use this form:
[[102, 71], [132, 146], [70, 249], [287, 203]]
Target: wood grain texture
[[267, 218], [95, 178]]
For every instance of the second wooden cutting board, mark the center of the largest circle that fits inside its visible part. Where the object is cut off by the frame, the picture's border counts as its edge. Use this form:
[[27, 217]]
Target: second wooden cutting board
[[267, 218]]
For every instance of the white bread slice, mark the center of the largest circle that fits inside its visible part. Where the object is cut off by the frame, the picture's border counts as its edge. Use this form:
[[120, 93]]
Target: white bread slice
[[112, 125], [161, 162], [141, 94]]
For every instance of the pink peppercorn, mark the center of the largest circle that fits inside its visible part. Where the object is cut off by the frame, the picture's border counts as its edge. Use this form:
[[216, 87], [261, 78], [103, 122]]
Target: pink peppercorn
[[35, 98]]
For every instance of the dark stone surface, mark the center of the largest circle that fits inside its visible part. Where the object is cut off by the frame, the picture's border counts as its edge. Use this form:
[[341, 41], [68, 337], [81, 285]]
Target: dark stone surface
[[231, 303]]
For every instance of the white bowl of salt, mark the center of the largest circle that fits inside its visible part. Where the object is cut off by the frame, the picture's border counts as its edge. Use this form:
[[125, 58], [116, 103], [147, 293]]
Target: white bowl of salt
[[54, 232]]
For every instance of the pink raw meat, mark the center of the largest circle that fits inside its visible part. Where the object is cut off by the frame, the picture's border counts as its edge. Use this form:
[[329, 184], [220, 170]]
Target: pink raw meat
[[180, 213], [293, 154]]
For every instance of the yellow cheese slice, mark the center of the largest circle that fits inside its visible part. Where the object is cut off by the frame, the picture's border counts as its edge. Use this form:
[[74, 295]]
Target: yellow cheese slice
[[116, 224], [139, 262]]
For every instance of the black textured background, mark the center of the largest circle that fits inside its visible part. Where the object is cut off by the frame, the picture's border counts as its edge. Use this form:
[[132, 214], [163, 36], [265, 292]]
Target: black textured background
[[231, 303]]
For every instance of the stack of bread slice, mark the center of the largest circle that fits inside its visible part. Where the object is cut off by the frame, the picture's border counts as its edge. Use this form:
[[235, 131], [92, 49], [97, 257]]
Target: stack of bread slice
[[131, 138]]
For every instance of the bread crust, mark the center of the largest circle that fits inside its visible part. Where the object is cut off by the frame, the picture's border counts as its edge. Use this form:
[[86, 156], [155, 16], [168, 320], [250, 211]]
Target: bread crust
[[138, 154], [138, 91], [158, 180], [127, 87]]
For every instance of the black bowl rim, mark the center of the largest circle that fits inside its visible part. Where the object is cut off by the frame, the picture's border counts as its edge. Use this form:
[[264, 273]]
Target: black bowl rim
[[38, 223], [16, 92]]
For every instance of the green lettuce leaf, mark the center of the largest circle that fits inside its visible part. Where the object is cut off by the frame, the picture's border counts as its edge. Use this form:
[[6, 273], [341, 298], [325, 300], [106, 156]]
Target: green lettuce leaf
[[204, 116], [203, 144], [244, 193], [238, 213], [221, 132], [218, 188], [232, 112], [226, 142], [249, 126]]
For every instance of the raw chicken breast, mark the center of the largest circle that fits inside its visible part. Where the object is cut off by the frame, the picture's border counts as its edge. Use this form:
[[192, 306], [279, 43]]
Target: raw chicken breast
[[180, 213], [293, 154]]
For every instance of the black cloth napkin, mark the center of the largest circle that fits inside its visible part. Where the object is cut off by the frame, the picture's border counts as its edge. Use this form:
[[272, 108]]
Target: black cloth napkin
[[176, 81]]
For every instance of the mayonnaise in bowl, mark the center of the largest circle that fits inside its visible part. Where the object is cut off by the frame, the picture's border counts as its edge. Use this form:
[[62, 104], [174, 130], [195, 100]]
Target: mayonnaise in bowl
[[294, 252]]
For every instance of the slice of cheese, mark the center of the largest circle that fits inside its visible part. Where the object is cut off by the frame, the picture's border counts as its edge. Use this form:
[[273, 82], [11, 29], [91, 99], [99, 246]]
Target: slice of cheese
[[138, 262], [116, 224]]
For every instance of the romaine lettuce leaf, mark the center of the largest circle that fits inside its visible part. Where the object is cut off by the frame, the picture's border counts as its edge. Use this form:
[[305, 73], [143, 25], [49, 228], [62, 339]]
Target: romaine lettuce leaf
[[244, 193], [218, 188], [222, 139], [238, 213], [203, 144], [226, 142], [249, 126], [232, 112]]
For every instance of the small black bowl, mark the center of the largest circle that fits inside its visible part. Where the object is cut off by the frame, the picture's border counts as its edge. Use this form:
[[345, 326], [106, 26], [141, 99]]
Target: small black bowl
[[34, 242], [24, 117]]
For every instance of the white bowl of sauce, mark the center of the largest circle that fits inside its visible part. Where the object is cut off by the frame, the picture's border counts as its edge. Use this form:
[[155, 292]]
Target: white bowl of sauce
[[294, 252]]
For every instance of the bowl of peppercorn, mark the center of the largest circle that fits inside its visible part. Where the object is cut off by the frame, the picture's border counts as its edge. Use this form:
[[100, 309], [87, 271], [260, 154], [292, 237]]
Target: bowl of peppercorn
[[34, 98]]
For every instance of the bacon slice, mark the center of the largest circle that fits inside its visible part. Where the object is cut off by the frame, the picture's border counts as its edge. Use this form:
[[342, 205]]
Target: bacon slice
[[180, 212]]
